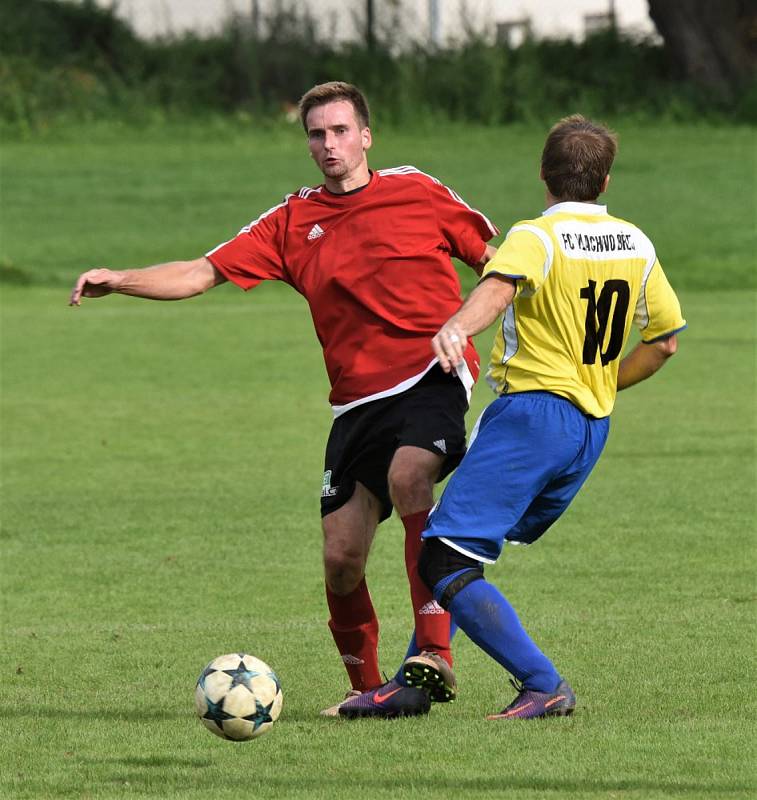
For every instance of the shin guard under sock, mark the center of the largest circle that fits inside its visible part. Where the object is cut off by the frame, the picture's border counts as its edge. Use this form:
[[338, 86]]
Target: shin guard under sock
[[491, 622], [432, 623], [354, 626]]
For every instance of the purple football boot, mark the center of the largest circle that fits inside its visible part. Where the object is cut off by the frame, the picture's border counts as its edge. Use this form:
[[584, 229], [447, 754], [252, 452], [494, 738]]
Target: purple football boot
[[388, 701], [530, 704]]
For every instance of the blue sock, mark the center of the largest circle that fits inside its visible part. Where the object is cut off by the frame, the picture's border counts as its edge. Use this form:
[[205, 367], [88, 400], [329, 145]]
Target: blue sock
[[412, 650], [484, 614]]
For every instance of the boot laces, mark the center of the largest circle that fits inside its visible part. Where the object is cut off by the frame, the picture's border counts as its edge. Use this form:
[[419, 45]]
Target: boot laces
[[520, 689]]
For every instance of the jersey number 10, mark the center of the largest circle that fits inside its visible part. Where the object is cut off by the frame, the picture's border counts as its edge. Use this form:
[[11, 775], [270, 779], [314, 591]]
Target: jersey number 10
[[599, 311]]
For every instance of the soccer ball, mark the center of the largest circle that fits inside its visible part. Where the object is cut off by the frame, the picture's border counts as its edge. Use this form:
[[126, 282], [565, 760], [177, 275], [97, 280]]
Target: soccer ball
[[238, 697]]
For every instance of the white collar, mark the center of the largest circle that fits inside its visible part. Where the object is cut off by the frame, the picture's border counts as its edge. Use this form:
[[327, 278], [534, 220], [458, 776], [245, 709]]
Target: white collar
[[575, 208]]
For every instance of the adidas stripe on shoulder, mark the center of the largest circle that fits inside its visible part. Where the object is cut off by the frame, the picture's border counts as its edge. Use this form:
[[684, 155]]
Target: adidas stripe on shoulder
[[407, 169], [410, 170], [304, 193]]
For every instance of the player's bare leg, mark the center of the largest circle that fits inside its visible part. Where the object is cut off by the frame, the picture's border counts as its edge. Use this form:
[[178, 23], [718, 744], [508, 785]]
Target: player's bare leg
[[412, 475], [347, 537], [411, 478]]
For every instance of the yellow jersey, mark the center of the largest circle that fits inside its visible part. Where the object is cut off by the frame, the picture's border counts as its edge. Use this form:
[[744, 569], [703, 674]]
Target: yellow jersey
[[583, 278]]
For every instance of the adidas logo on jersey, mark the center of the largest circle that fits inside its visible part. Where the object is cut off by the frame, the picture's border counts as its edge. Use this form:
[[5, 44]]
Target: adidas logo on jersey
[[441, 445], [349, 659], [315, 232], [432, 607]]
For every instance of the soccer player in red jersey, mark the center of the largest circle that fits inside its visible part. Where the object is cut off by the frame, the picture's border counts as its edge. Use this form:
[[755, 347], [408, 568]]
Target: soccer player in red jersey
[[371, 253]]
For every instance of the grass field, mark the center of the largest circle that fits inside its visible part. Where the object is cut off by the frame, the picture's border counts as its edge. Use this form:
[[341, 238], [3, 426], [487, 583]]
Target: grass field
[[162, 463], [127, 198]]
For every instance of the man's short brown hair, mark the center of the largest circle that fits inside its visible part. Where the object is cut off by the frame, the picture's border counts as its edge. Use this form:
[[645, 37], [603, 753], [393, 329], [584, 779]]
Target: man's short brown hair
[[331, 92], [577, 157]]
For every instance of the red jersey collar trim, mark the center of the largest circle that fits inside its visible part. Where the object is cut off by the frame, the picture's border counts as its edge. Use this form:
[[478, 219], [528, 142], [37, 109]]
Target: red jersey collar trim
[[352, 196]]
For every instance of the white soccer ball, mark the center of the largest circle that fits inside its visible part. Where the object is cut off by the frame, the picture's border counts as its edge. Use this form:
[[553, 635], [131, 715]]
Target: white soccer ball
[[238, 697]]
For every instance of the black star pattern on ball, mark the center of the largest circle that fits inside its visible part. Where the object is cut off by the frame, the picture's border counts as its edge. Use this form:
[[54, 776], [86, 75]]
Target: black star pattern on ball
[[241, 676], [262, 714], [215, 712], [207, 671]]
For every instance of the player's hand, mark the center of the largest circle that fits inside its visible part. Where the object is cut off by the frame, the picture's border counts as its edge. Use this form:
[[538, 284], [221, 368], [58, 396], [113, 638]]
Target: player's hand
[[95, 283], [449, 345]]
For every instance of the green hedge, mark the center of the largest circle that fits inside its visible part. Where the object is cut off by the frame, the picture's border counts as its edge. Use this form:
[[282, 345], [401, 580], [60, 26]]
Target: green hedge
[[78, 61]]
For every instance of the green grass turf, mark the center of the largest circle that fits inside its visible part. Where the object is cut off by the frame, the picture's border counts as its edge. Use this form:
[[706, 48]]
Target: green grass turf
[[161, 467], [135, 198]]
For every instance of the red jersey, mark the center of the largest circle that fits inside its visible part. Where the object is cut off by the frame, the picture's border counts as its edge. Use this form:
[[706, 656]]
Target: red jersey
[[375, 268]]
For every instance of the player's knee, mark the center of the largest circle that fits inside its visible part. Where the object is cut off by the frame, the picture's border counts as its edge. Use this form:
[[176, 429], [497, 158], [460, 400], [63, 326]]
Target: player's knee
[[343, 567], [438, 562], [410, 488], [342, 573]]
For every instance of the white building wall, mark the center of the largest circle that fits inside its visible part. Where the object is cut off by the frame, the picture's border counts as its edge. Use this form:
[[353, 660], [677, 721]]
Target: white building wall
[[549, 18]]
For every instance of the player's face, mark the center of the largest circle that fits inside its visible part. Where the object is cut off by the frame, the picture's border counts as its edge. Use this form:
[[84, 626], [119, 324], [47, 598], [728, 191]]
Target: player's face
[[338, 143]]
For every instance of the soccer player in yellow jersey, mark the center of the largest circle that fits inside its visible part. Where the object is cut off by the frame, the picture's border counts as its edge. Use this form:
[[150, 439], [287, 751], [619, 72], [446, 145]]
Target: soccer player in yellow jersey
[[571, 283]]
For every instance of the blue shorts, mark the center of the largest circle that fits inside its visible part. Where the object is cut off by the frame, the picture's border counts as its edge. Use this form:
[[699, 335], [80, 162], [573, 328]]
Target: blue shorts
[[529, 455]]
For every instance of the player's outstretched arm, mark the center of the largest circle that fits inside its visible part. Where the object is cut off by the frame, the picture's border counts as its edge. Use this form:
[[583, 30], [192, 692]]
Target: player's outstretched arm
[[175, 280], [484, 304], [644, 360]]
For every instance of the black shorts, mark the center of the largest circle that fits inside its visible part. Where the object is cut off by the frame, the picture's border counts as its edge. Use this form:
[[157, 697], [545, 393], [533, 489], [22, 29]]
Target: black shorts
[[362, 442]]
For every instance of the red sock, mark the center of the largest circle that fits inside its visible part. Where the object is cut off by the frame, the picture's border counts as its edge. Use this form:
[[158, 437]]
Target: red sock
[[431, 622], [355, 629]]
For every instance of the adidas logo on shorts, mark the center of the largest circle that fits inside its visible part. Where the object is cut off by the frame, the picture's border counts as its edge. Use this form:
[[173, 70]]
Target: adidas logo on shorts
[[432, 607], [441, 445], [328, 490]]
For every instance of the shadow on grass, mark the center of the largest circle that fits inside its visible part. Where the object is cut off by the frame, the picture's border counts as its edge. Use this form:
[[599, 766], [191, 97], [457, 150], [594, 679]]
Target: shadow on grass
[[303, 716], [161, 776], [94, 714], [154, 762], [500, 784]]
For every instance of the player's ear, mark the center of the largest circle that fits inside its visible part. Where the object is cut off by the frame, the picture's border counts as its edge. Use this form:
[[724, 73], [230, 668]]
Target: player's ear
[[367, 138], [605, 183]]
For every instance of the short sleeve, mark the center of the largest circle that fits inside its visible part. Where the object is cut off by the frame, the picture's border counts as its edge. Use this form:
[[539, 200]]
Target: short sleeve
[[658, 312], [465, 229], [525, 256], [256, 253]]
